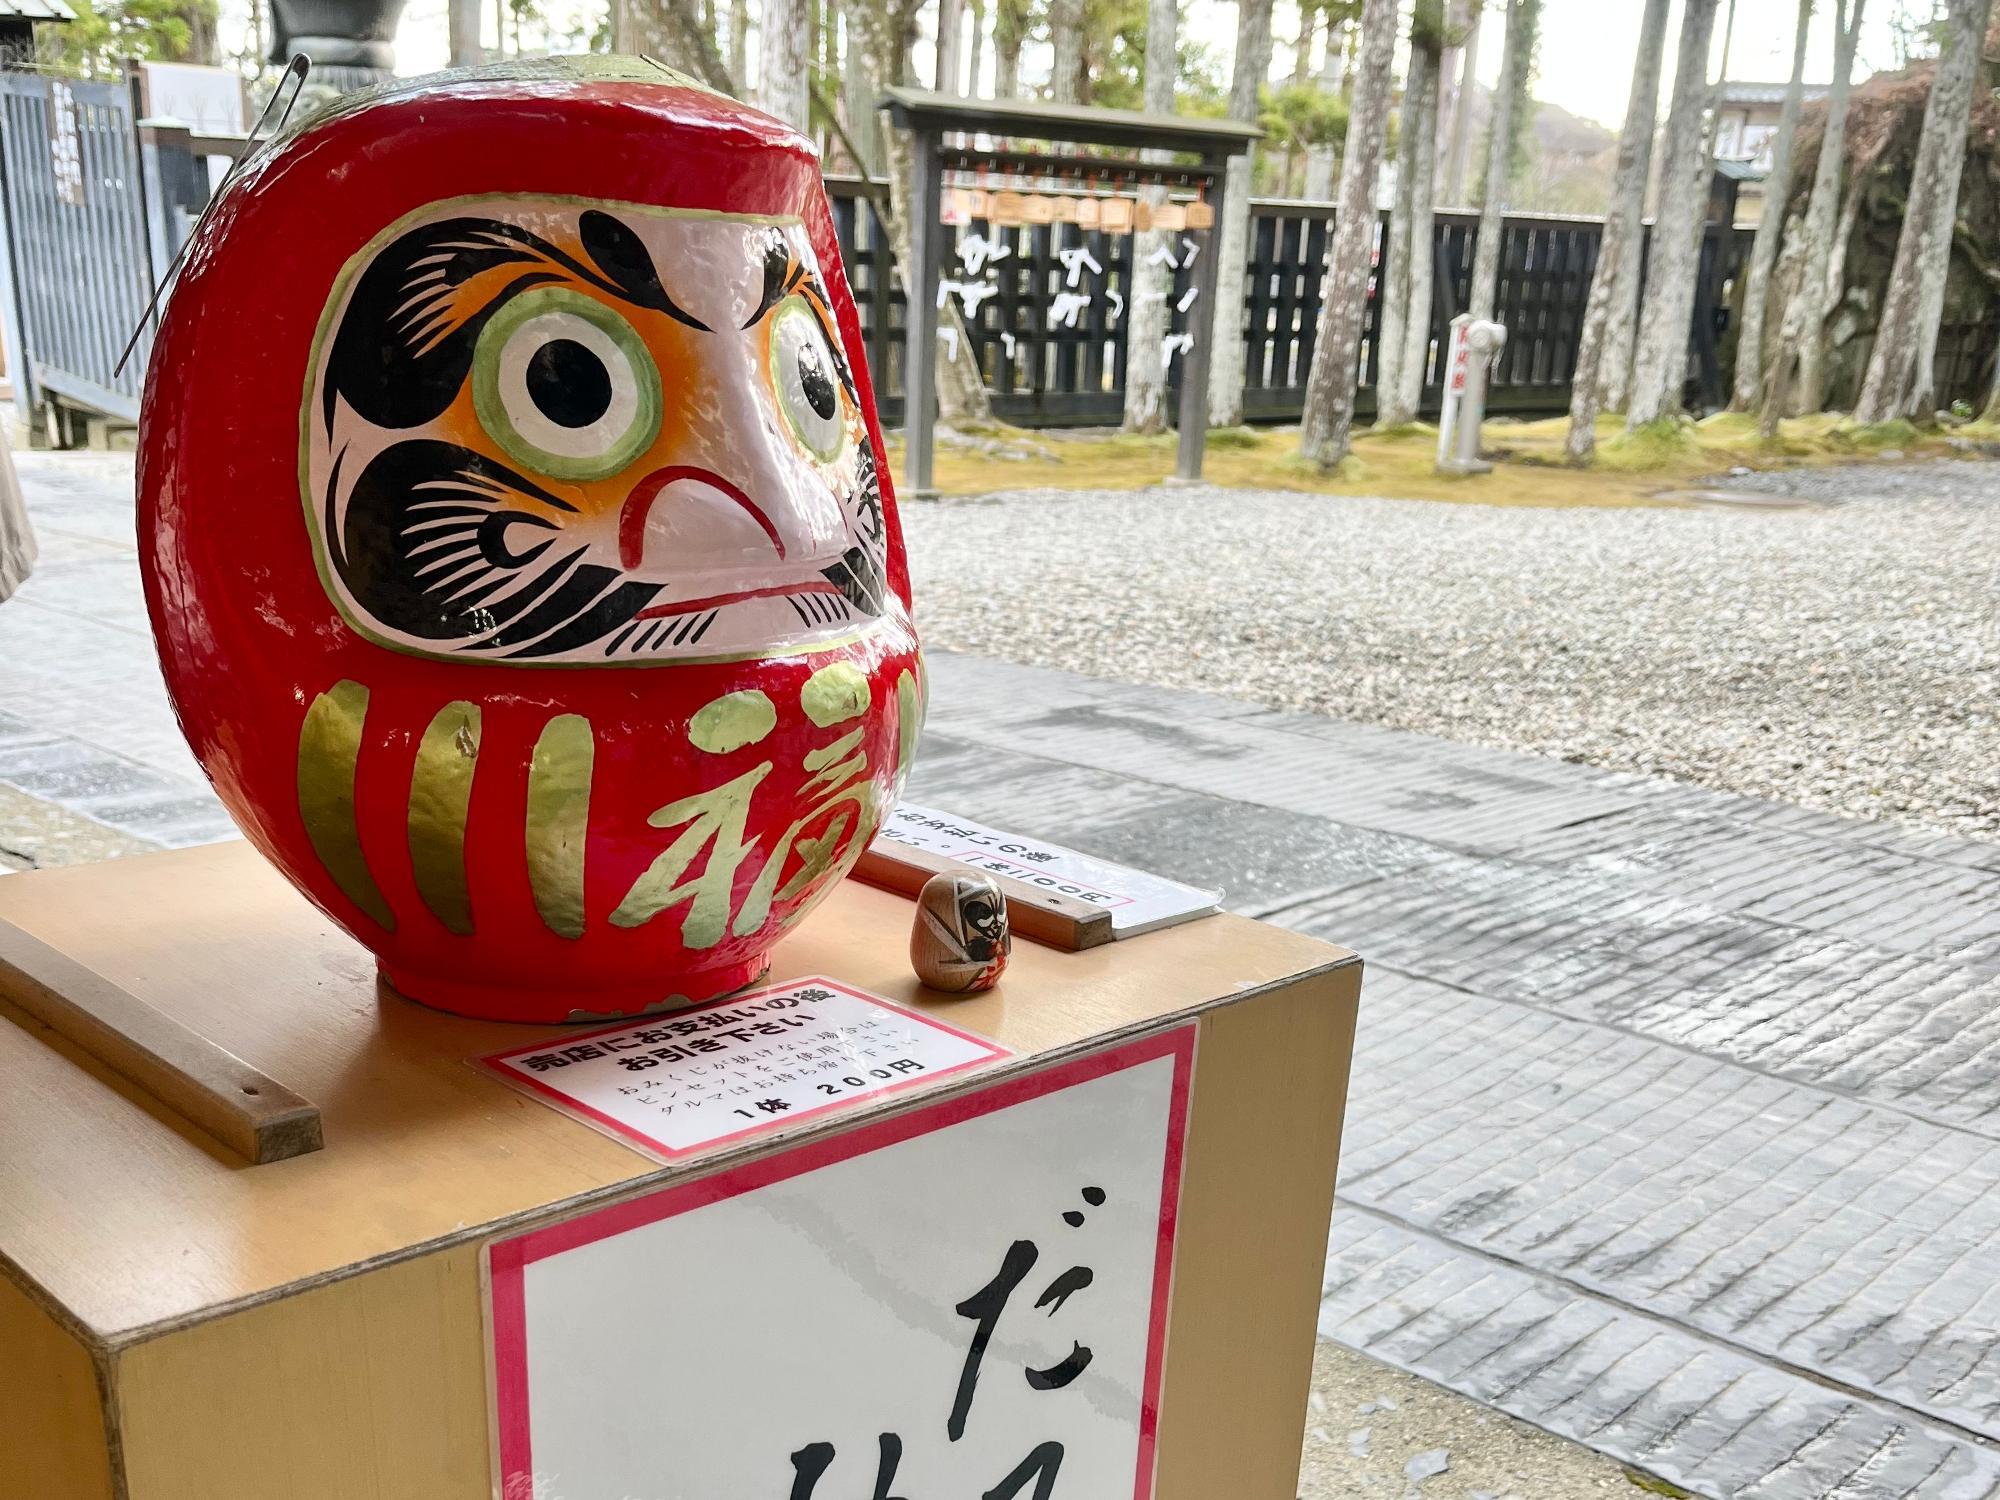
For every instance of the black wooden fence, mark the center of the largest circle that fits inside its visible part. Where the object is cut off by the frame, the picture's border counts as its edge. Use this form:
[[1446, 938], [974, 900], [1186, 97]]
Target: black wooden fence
[[1048, 375]]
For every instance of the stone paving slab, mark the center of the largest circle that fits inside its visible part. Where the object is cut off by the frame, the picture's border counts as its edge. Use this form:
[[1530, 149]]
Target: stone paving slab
[[84, 720], [1462, 796], [1644, 1389], [1791, 1223], [1898, 898], [1918, 1034]]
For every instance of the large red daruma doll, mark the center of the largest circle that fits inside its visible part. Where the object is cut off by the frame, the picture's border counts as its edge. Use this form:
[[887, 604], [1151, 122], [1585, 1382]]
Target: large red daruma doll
[[517, 537]]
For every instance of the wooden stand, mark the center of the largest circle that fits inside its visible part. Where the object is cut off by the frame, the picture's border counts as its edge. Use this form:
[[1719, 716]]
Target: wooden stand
[[178, 1325], [1060, 921], [256, 1117]]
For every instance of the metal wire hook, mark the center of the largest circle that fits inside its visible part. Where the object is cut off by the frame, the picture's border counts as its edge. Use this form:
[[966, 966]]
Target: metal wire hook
[[295, 74]]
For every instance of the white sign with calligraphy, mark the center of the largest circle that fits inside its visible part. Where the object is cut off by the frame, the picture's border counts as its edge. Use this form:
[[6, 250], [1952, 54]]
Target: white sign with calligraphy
[[687, 1079], [966, 1300], [1138, 902]]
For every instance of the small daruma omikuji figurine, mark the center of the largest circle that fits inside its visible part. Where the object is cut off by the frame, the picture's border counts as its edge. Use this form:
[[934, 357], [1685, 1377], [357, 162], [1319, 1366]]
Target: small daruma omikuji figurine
[[960, 940], [516, 534]]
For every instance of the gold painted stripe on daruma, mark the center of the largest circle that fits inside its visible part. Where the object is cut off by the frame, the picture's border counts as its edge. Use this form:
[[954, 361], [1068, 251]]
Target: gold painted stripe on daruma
[[559, 820], [329, 751], [440, 797], [909, 720]]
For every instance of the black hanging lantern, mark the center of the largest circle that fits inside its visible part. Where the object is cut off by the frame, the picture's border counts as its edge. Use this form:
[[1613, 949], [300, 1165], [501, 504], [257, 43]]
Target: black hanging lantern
[[351, 42]]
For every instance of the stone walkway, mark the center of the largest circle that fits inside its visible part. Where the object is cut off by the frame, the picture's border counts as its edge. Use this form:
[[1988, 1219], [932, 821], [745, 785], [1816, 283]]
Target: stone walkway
[[84, 721], [1675, 1126]]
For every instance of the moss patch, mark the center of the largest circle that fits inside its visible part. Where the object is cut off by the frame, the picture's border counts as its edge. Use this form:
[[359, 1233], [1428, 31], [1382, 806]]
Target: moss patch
[[1873, 437], [1531, 466], [1652, 1484]]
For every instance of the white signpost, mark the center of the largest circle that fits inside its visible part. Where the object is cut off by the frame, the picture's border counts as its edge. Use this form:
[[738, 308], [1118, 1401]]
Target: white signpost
[[965, 1300], [1469, 359]]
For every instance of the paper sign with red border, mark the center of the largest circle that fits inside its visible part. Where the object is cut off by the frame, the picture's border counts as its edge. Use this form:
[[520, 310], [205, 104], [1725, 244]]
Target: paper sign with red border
[[1138, 902], [657, 1345], [690, 1080]]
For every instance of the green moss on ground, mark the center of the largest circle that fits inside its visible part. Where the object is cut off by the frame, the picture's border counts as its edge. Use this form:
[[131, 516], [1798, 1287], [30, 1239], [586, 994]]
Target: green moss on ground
[[1643, 467]]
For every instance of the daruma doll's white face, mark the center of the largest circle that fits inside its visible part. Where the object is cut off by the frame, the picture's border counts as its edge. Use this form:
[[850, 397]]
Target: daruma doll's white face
[[548, 431]]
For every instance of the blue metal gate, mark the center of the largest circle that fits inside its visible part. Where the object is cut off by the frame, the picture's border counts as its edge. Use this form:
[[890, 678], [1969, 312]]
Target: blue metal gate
[[75, 239]]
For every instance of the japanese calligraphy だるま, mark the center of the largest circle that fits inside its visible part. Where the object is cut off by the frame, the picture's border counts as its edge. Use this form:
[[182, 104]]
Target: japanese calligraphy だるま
[[515, 531], [968, 1300]]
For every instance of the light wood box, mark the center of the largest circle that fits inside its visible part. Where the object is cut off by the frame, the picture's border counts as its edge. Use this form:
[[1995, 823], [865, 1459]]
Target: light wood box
[[176, 1325]]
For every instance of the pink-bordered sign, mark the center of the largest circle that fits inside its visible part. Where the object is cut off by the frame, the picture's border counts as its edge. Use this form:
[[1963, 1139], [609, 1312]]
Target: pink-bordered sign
[[690, 1080], [699, 1339]]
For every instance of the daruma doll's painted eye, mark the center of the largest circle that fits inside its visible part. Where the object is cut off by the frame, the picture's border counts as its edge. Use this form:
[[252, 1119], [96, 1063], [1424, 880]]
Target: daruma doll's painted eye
[[807, 381], [565, 385]]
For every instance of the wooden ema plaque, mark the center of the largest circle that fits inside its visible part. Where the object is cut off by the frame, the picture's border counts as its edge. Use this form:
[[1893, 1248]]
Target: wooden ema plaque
[[1077, 1231]]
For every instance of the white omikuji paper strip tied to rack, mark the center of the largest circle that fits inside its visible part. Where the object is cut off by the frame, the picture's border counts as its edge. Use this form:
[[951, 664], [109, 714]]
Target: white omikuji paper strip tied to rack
[[1138, 902]]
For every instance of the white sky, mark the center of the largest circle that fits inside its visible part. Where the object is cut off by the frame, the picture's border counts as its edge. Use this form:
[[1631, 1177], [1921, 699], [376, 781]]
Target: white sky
[[1586, 53], [1588, 49]]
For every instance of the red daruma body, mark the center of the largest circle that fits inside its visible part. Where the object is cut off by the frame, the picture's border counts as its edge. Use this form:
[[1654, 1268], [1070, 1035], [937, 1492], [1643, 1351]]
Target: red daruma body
[[516, 534]]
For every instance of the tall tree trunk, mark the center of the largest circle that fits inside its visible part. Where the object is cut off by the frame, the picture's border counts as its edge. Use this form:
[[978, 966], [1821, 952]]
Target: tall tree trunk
[[1719, 84], [1750, 358], [1461, 30], [1843, 233], [1822, 211], [787, 61], [1010, 31], [826, 32], [1901, 371], [1417, 326], [1393, 267], [672, 31], [203, 46], [1988, 415], [1406, 294], [976, 11], [1226, 355], [1712, 133], [1499, 163], [1328, 423], [1618, 254], [1302, 50], [1620, 362], [1524, 35], [1458, 151], [739, 43], [1146, 319], [1321, 160], [950, 14], [465, 46], [858, 98], [1066, 37], [883, 32], [1781, 367], [1660, 363]]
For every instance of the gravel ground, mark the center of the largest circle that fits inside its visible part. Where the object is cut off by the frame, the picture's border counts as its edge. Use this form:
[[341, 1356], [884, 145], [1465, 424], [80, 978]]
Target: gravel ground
[[1833, 639]]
